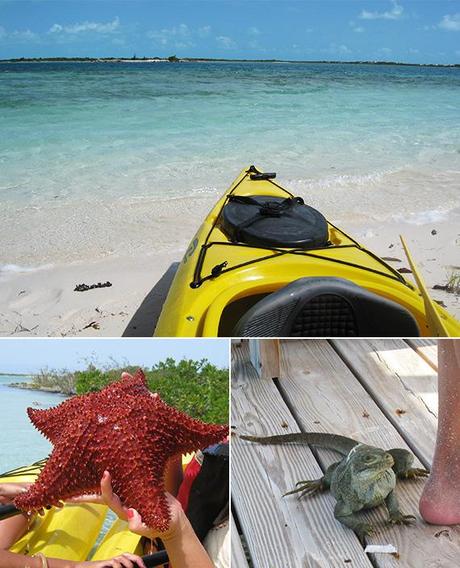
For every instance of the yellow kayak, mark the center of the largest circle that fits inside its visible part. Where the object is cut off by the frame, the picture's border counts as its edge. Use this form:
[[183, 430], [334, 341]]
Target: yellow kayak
[[265, 264], [71, 533]]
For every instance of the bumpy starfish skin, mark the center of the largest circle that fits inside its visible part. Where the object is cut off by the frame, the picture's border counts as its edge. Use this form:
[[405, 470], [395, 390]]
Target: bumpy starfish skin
[[124, 429]]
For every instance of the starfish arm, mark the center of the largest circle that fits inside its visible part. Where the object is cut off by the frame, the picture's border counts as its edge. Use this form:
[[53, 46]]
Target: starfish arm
[[132, 384], [192, 434], [184, 434], [51, 421], [139, 482], [66, 474]]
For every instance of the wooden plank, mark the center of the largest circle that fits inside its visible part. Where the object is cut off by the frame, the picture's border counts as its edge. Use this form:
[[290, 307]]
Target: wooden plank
[[254, 355], [426, 348], [321, 388], [265, 357], [237, 555], [280, 532], [403, 385]]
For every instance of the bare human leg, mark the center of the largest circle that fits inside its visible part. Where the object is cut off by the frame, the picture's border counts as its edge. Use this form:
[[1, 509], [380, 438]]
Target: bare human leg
[[440, 501]]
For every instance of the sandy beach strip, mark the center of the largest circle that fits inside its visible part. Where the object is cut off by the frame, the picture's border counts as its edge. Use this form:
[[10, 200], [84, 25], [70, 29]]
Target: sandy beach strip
[[43, 302]]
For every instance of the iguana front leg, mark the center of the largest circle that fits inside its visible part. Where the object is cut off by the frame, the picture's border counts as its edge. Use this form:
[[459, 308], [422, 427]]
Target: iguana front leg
[[395, 516], [308, 487], [403, 461], [347, 517]]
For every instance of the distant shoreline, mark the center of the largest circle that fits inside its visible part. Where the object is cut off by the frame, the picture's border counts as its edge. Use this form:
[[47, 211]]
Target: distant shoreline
[[174, 59], [15, 374], [32, 386]]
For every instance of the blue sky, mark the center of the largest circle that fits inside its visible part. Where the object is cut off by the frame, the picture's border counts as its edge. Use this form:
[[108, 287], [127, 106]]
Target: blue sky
[[418, 31], [30, 355]]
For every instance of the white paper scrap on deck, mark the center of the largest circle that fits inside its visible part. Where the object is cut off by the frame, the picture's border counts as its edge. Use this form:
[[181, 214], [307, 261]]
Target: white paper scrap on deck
[[380, 548]]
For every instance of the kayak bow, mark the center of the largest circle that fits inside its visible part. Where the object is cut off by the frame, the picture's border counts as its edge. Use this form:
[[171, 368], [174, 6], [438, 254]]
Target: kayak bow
[[265, 264]]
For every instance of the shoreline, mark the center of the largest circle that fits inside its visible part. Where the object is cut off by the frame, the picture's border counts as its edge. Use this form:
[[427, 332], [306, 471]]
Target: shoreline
[[44, 303], [32, 387], [174, 59]]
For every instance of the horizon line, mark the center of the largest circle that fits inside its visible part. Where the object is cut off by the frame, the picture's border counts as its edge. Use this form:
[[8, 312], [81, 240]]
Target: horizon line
[[175, 59]]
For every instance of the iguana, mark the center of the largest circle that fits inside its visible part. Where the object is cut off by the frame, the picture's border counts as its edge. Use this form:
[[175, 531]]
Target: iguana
[[364, 478]]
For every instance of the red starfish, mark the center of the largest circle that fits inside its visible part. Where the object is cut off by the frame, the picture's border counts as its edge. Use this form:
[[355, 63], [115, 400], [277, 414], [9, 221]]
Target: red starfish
[[124, 429]]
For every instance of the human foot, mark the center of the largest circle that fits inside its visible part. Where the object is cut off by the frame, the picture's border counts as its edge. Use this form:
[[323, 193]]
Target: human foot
[[440, 501]]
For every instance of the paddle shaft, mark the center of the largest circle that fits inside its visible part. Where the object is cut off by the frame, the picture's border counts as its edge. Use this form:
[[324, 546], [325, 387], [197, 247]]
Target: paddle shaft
[[7, 511]]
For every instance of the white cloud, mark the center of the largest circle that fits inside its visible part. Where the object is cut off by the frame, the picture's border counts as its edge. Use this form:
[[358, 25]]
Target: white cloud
[[413, 50], [204, 31], [18, 36], [355, 28], [179, 37], [450, 23], [253, 31], [24, 35], [335, 49], [96, 27], [385, 51], [395, 13], [226, 42], [344, 49]]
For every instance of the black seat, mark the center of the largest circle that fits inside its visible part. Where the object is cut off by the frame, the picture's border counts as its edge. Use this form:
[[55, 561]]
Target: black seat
[[325, 307]]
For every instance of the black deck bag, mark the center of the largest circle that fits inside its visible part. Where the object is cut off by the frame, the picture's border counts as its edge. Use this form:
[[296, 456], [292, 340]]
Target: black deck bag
[[268, 221]]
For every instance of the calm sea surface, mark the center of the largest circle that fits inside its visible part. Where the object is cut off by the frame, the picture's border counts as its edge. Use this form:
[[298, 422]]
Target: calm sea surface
[[20, 442], [138, 129], [382, 139]]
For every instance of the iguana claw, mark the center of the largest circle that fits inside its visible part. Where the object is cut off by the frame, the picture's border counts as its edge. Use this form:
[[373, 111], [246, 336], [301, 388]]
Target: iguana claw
[[416, 472], [362, 530], [400, 519], [306, 488]]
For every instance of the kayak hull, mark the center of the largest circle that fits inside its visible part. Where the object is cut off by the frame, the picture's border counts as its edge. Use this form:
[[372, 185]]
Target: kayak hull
[[218, 280]]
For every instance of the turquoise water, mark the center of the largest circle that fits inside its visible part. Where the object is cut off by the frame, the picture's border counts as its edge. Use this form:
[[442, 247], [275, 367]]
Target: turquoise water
[[20, 442], [74, 129], [377, 138]]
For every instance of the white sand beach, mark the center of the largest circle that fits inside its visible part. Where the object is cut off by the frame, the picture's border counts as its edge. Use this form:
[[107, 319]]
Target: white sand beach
[[43, 302]]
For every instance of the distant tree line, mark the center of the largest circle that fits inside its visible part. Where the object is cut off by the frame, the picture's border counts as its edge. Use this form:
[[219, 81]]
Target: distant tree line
[[198, 388], [175, 59]]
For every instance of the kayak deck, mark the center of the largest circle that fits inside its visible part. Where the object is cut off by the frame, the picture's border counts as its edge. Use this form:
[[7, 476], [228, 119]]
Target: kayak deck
[[219, 280]]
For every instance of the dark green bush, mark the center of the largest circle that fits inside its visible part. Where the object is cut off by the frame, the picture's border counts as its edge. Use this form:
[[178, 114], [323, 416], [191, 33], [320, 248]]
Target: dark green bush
[[195, 387]]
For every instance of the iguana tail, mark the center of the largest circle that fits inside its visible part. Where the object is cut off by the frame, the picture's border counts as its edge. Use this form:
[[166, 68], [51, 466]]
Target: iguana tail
[[340, 444]]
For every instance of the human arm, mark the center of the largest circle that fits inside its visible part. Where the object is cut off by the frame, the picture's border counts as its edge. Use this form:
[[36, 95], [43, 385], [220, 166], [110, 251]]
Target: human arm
[[12, 560], [8, 491], [11, 529], [182, 545]]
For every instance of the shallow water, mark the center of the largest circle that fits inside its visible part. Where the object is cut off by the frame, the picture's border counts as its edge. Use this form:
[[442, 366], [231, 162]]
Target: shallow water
[[20, 442], [377, 139]]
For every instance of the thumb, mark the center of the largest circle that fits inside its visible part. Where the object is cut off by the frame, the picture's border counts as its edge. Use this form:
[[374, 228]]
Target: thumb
[[134, 520]]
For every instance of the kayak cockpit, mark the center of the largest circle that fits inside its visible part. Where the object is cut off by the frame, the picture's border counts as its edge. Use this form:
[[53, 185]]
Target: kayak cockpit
[[325, 307]]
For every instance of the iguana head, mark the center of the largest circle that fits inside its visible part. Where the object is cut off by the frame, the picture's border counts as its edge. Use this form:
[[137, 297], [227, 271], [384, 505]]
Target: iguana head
[[368, 463]]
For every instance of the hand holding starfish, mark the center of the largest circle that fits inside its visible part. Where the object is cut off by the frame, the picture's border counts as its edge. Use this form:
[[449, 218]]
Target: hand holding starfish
[[8, 491], [183, 547]]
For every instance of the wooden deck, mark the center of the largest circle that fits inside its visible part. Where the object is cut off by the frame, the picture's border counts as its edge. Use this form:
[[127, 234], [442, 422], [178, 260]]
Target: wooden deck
[[382, 392]]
